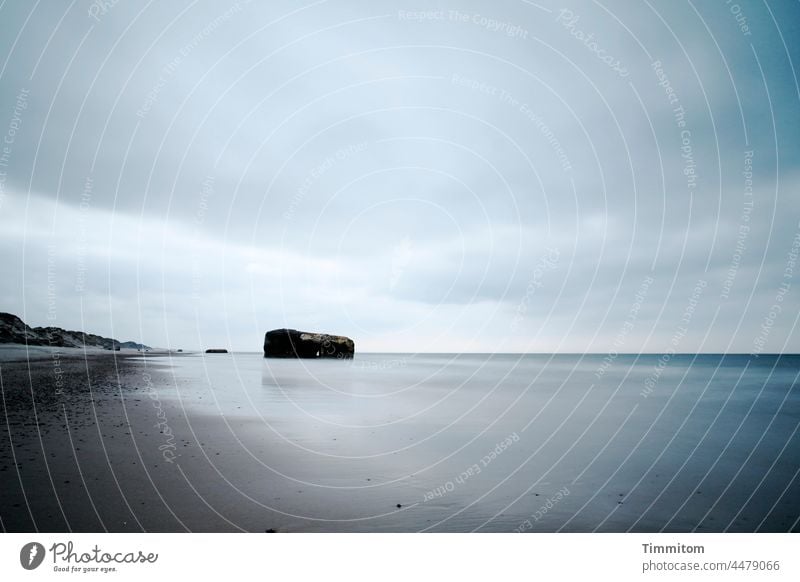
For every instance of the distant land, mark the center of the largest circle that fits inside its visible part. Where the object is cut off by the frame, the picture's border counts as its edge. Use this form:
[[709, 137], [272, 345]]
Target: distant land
[[15, 331]]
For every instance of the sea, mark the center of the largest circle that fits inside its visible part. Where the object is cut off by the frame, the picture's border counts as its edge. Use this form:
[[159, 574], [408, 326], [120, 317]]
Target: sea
[[492, 442]]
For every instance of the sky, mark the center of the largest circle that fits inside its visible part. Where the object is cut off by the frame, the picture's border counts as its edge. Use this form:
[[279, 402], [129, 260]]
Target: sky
[[422, 177]]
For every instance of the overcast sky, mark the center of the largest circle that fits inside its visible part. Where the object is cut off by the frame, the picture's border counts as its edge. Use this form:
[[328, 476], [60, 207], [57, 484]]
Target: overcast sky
[[450, 176]]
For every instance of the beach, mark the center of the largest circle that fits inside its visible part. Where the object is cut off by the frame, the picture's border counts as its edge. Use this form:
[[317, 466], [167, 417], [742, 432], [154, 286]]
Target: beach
[[128, 441]]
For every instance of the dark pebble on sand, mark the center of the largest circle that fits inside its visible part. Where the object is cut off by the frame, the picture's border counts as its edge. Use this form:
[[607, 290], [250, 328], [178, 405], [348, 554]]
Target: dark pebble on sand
[[399, 506]]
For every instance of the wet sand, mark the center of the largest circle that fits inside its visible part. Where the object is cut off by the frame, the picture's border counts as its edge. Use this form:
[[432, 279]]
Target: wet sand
[[126, 442], [84, 447], [90, 443]]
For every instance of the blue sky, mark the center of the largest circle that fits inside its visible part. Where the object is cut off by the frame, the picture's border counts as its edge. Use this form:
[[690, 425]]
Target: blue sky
[[457, 176]]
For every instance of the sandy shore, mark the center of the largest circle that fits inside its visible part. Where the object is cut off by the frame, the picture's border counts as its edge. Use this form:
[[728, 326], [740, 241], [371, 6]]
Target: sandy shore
[[92, 441], [84, 446], [126, 442]]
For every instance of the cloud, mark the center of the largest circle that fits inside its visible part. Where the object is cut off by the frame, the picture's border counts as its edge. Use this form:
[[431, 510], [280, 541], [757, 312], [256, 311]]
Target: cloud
[[207, 172]]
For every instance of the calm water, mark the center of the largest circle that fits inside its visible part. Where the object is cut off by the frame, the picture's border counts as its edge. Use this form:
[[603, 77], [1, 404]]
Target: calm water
[[499, 442]]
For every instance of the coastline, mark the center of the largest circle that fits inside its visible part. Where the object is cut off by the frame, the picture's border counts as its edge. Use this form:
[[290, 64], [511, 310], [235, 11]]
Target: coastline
[[80, 446], [131, 442], [108, 444]]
